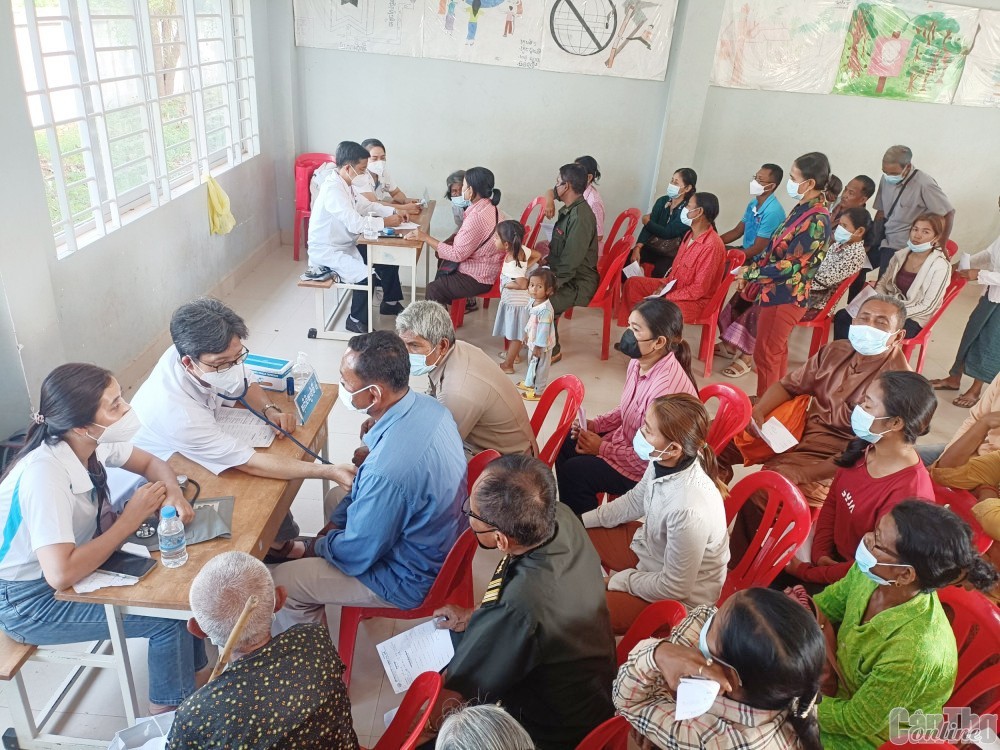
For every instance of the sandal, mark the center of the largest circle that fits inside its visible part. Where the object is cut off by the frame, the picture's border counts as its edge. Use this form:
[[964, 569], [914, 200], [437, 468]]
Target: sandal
[[737, 369], [502, 356], [942, 384], [724, 350], [965, 401], [294, 549]]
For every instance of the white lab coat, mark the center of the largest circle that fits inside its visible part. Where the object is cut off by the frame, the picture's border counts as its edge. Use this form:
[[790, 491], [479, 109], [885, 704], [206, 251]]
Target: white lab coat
[[334, 228]]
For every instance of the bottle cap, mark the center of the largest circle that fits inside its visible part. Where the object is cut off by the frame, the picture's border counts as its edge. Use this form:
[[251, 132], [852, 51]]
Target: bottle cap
[[169, 511]]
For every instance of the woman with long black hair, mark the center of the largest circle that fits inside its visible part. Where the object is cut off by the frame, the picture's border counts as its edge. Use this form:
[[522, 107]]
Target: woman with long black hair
[[55, 534]]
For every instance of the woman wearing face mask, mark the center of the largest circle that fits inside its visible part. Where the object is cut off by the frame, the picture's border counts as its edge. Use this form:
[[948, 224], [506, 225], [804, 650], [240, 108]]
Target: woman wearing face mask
[[763, 649], [783, 276], [55, 534], [598, 457], [894, 645], [377, 186], [681, 549], [844, 258], [662, 228], [918, 274], [697, 270], [453, 193], [879, 469]]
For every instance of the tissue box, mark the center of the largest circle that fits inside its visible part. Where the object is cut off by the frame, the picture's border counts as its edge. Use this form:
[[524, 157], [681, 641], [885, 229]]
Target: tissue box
[[149, 733], [269, 371]]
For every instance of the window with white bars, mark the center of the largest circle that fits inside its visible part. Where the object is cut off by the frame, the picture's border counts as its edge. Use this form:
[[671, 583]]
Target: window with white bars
[[133, 102]]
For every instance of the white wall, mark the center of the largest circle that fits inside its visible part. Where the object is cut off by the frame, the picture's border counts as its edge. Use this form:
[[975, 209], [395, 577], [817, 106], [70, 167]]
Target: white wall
[[110, 300]]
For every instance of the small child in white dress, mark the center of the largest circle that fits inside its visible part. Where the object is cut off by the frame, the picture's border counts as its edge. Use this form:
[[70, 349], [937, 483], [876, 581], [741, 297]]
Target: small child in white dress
[[512, 314], [539, 333]]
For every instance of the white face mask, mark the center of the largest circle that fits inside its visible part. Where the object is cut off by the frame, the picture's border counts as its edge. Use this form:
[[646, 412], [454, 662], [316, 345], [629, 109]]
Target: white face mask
[[376, 167], [756, 188], [346, 397], [230, 382], [121, 431]]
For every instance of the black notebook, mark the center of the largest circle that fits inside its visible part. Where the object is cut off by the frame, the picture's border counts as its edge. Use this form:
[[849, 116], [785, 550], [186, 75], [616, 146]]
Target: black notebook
[[125, 564]]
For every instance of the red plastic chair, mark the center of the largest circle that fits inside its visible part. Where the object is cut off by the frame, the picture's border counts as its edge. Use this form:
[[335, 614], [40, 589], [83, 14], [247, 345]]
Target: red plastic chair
[[976, 623], [710, 320], [413, 714], [609, 291], [574, 398], [630, 219], [479, 462], [650, 621], [824, 319], [532, 226], [732, 416], [611, 735], [453, 585], [960, 502], [951, 247], [305, 165], [923, 338], [782, 531]]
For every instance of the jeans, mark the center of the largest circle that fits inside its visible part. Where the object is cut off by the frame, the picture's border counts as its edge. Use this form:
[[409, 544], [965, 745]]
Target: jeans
[[30, 613]]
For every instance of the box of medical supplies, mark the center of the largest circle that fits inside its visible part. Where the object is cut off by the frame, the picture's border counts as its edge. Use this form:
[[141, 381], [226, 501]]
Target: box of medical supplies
[[270, 372]]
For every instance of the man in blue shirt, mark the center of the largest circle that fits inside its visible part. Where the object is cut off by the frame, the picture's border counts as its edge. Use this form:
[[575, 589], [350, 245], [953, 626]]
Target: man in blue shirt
[[388, 537], [763, 215]]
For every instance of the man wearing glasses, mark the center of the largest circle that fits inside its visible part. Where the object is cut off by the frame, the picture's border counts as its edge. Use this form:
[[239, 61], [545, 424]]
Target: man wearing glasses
[[179, 403], [540, 643]]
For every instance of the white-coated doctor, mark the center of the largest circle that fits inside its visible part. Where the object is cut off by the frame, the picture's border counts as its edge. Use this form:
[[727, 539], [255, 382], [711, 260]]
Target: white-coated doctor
[[179, 403]]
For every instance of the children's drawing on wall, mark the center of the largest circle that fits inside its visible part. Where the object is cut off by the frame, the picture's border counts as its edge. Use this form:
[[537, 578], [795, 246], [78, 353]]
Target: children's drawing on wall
[[980, 86], [473, 9], [388, 27], [514, 8], [495, 32], [781, 45], [628, 38], [906, 50]]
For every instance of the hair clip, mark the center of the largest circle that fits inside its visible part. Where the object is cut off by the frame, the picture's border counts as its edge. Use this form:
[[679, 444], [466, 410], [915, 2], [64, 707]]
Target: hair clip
[[37, 417]]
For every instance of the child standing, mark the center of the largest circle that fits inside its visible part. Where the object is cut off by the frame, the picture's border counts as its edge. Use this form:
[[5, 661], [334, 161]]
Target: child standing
[[539, 333], [512, 316]]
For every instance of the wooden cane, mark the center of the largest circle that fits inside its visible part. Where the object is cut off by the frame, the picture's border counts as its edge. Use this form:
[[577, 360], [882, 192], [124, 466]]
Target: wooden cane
[[234, 637]]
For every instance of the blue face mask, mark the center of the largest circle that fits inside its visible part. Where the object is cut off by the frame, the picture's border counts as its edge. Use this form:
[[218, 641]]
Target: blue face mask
[[861, 423], [419, 366], [923, 247], [869, 341], [644, 449], [866, 560], [458, 200], [841, 235], [892, 179], [673, 191], [792, 188]]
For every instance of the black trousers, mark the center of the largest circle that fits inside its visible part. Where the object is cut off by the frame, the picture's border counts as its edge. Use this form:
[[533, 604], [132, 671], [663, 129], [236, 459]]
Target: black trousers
[[582, 478], [447, 289], [392, 291]]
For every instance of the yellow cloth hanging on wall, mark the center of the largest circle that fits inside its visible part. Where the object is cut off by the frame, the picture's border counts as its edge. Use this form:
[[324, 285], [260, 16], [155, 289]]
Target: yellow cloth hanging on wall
[[220, 218]]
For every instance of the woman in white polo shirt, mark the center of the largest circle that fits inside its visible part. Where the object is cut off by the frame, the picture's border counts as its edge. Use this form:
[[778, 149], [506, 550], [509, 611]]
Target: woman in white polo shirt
[[51, 502]]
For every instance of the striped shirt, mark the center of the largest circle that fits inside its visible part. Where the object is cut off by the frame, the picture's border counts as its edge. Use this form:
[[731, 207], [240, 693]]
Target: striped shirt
[[618, 427], [641, 695], [473, 247]]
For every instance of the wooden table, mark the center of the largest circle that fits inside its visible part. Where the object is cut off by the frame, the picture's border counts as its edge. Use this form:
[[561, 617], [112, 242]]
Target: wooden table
[[390, 251], [260, 506]]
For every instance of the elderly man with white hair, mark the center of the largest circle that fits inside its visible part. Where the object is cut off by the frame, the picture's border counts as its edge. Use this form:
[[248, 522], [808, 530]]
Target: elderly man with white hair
[[486, 406], [281, 692]]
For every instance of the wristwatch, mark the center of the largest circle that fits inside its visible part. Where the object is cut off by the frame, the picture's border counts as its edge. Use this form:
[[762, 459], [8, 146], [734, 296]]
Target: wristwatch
[[270, 406]]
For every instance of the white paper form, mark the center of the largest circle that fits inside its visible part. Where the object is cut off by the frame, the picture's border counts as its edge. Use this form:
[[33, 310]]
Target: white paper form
[[854, 307], [100, 579], [424, 648], [694, 697], [777, 436], [245, 427], [633, 269], [407, 225], [666, 288]]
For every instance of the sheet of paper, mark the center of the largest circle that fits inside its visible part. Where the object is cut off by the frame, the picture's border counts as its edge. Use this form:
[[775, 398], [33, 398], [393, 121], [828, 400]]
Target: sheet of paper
[[424, 648], [389, 716], [666, 288], [407, 225], [736, 271], [135, 549], [695, 697], [99, 580], [964, 262], [866, 266], [855, 305], [245, 427], [633, 269], [581, 414], [777, 436]]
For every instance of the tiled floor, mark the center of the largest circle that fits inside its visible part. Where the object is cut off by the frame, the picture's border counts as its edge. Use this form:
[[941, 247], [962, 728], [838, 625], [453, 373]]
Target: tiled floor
[[279, 314]]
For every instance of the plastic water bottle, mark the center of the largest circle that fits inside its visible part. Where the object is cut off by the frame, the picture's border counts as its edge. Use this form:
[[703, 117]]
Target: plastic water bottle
[[370, 232], [173, 545], [301, 372]]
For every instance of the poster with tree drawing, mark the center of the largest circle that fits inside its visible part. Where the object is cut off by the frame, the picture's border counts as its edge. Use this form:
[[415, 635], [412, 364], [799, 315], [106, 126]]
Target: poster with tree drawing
[[780, 45], [980, 86], [492, 32], [906, 50]]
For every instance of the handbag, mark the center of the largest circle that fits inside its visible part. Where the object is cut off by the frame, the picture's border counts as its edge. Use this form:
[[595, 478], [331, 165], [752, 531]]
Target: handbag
[[448, 267], [877, 233], [792, 414]]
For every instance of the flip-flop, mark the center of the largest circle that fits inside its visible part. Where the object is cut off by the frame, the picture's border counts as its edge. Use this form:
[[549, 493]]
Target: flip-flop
[[737, 369], [938, 385], [966, 403]]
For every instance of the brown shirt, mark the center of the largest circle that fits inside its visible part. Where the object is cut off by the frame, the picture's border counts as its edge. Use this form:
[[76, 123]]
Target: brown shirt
[[836, 377], [487, 408]]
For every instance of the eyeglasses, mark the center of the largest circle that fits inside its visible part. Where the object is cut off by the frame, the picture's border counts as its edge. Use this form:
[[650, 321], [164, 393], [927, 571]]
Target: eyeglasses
[[467, 510], [226, 366]]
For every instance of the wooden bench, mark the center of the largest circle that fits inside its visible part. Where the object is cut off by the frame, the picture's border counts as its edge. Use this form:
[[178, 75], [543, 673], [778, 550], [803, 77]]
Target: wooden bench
[[326, 319], [25, 732]]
